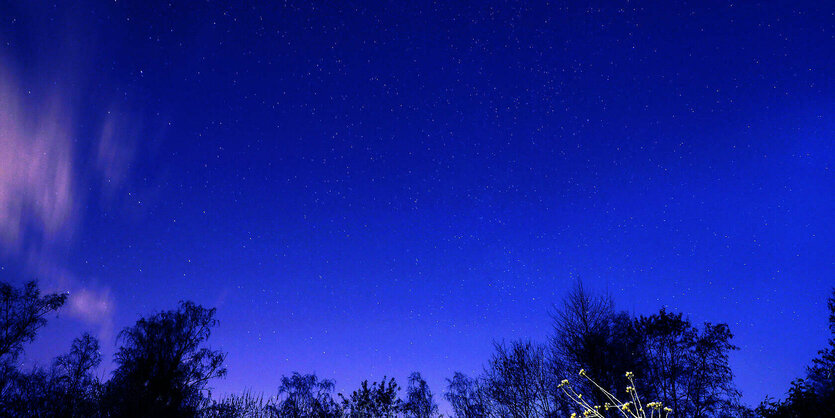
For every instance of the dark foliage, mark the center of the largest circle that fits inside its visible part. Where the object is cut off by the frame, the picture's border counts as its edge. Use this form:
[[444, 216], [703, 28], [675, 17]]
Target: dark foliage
[[675, 362], [419, 400], [378, 400], [78, 386], [22, 313], [67, 389], [589, 334], [689, 369], [163, 368], [815, 395], [467, 397], [245, 405], [518, 381], [306, 396]]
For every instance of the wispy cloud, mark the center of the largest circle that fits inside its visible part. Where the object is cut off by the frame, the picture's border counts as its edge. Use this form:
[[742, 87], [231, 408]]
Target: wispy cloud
[[94, 306], [41, 191], [37, 188], [115, 151], [89, 301]]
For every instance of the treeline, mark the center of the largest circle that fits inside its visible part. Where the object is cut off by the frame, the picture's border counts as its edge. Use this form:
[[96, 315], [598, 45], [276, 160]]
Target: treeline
[[164, 367]]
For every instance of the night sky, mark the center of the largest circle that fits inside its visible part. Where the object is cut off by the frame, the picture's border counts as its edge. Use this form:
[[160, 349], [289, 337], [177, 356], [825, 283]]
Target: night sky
[[373, 189]]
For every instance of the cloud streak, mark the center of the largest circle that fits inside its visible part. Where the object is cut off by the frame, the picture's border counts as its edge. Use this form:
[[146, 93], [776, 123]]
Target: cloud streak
[[114, 152], [41, 195], [37, 188]]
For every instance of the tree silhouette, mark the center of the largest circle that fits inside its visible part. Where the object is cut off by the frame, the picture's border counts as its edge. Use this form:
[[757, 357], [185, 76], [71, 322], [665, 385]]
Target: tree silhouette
[[378, 400], [419, 400], [519, 382], [468, 397], [67, 389], [815, 395], [306, 396], [675, 362], [821, 373], [32, 394], [163, 368], [22, 313], [689, 369], [589, 335], [75, 381]]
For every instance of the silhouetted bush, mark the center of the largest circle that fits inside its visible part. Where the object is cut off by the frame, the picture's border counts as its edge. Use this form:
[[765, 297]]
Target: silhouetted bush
[[246, 405]]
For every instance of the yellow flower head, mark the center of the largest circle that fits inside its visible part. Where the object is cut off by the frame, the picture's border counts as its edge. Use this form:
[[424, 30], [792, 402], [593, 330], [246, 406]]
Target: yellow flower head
[[582, 372]]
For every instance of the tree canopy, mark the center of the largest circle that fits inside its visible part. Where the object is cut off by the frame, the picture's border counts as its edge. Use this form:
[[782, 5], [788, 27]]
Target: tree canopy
[[164, 366]]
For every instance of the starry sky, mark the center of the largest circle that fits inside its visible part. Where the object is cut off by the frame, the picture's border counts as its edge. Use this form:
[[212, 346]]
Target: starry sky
[[373, 188]]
